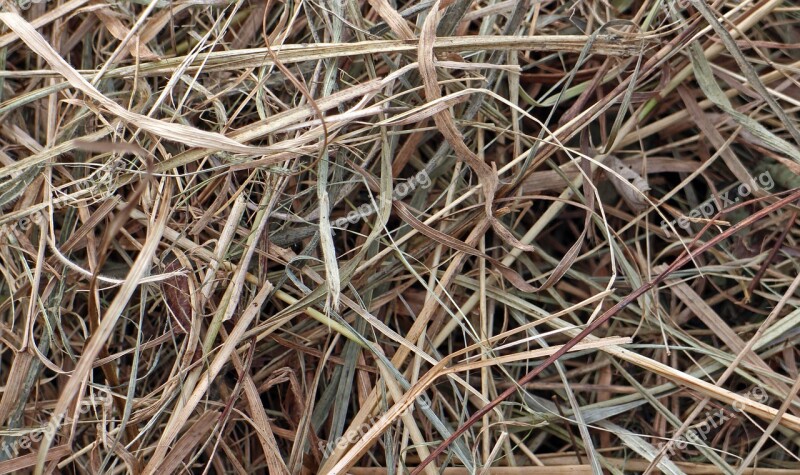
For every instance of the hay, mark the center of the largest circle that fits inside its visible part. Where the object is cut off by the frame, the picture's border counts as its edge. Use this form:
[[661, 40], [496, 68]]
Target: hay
[[381, 237]]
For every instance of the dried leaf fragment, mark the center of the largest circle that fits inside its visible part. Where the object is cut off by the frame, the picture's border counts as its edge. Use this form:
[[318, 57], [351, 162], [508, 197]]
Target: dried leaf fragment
[[629, 184]]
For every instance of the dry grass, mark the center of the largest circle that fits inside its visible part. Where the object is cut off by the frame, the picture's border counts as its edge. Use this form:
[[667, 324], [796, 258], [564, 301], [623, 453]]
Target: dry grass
[[365, 237]]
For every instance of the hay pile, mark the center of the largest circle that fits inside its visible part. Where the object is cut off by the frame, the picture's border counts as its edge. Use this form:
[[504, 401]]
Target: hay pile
[[379, 236]]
